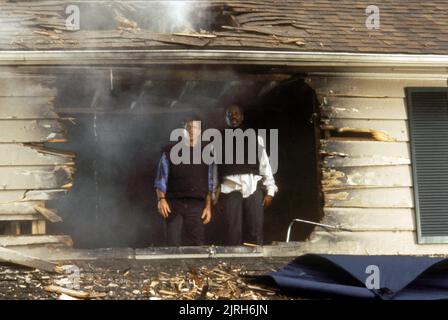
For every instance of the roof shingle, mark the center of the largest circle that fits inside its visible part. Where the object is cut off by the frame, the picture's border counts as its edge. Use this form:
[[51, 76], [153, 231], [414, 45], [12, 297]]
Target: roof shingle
[[411, 26]]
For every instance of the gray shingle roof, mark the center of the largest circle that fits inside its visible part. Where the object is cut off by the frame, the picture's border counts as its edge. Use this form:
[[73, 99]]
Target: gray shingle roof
[[406, 26]]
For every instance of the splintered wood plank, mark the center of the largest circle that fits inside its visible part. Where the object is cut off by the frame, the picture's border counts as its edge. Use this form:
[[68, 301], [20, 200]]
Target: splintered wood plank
[[17, 154], [383, 130], [358, 177], [19, 217], [12, 196], [10, 241], [48, 214], [364, 108], [370, 243], [15, 257], [26, 108], [16, 178], [173, 39], [364, 153], [38, 227], [281, 31], [367, 87], [19, 208], [371, 219], [31, 131], [398, 197], [21, 86]]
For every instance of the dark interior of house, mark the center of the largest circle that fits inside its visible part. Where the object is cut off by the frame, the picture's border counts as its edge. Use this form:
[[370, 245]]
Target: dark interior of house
[[117, 121]]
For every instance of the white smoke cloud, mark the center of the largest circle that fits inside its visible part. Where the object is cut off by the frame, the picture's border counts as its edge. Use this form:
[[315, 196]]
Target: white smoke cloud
[[178, 16]]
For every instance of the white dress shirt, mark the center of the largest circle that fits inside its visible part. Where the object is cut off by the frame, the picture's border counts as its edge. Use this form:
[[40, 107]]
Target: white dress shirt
[[247, 183]]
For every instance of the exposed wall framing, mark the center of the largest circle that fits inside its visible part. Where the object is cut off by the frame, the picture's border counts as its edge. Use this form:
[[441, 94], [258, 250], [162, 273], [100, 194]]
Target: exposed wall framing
[[30, 173]]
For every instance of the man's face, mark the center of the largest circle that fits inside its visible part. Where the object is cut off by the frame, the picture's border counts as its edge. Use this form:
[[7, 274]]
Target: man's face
[[193, 129], [234, 116]]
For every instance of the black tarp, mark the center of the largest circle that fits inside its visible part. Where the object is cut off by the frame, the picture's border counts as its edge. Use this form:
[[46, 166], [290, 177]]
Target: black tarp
[[345, 276]]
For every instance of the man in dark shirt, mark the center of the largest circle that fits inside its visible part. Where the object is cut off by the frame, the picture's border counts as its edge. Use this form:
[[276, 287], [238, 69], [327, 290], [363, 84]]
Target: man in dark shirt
[[184, 191]]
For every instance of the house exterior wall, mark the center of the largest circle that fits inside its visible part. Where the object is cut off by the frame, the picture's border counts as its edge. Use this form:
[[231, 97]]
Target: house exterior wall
[[367, 183], [30, 173]]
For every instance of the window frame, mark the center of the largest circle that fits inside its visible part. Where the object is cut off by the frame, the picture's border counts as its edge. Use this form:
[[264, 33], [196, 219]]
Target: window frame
[[421, 239]]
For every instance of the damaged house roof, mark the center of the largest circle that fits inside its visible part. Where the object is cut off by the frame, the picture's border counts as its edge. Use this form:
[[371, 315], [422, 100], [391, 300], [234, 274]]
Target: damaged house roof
[[410, 27]]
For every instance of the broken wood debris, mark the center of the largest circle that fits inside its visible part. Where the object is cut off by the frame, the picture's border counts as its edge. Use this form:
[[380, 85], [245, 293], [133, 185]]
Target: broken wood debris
[[40, 26], [221, 282], [140, 280], [15, 257], [74, 293], [48, 214], [124, 23]]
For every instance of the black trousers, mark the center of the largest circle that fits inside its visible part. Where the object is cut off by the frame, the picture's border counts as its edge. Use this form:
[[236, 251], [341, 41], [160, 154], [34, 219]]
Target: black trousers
[[184, 226], [242, 218]]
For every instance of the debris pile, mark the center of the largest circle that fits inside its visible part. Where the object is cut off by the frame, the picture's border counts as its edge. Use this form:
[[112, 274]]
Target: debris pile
[[221, 282], [141, 280]]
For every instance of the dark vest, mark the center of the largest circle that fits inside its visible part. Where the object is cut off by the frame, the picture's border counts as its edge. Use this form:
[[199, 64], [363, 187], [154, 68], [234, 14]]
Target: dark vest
[[234, 168], [187, 180]]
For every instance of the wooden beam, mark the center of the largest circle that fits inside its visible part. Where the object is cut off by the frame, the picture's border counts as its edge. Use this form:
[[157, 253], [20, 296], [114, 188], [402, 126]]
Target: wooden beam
[[50, 215], [371, 219], [371, 198], [370, 243], [19, 208], [16, 178], [364, 108], [12, 196], [10, 241], [367, 87], [12, 256], [31, 131], [364, 153], [381, 130], [18, 154], [23, 86], [19, 217], [139, 111], [38, 227], [359, 177], [26, 108]]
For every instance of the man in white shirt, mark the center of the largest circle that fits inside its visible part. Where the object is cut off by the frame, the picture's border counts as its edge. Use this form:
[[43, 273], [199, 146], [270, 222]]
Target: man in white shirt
[[245, 189]]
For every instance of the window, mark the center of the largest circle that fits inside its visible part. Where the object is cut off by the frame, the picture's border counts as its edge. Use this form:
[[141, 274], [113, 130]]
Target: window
[[428, 124]]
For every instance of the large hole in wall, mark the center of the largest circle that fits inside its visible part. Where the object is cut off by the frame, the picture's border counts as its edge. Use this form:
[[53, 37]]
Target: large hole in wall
[[121, 118]]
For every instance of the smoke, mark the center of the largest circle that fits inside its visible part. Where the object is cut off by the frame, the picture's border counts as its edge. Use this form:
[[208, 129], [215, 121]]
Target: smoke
[[11, 31], [163, 17], [122, 121], [123, 117], [179, 14]]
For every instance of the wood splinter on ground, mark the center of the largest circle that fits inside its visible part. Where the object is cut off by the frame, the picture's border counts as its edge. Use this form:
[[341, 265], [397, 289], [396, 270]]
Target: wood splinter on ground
[[247, 244], [74, 293]]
